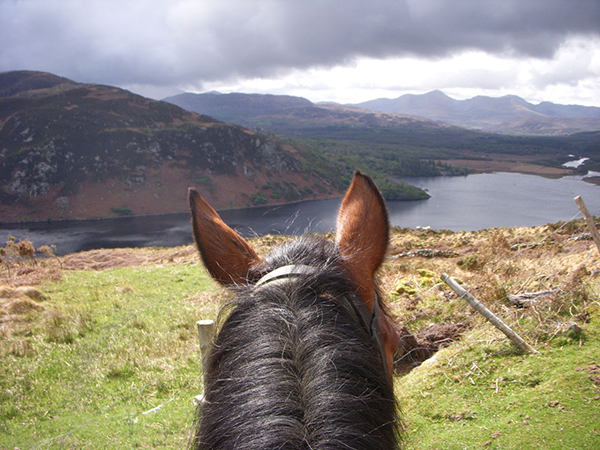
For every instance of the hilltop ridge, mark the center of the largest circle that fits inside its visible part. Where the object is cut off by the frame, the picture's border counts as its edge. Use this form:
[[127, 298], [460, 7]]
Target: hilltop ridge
[[289, 114], [72, 150], [404, 143], [509, 114]]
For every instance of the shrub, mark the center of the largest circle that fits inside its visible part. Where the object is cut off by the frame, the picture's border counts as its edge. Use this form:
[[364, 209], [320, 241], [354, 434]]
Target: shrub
[[258, 199], [122, 211], [471, 262], [14, 253], [206, 181]]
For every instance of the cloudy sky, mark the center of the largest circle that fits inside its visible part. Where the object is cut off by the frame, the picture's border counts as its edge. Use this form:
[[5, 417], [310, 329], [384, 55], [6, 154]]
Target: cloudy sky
[[325, 50]]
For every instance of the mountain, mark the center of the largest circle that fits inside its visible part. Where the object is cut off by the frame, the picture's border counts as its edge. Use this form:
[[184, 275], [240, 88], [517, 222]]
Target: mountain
[[235, 107], [397, 144], [509, 114], [70, 150], [381, 143], [283, 113]]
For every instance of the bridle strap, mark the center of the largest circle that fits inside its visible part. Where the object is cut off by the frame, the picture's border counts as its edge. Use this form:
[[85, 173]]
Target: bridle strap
[[369, 318], [287, 271]]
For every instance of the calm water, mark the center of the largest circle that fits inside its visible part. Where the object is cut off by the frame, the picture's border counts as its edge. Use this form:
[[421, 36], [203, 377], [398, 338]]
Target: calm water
[[482, 201], [458, 203]]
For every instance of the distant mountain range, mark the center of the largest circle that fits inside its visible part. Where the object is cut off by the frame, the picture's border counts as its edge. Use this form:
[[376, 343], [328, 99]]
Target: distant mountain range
[[71, 150], [401, 144], [509, 114], [287, 114], [239, 108]]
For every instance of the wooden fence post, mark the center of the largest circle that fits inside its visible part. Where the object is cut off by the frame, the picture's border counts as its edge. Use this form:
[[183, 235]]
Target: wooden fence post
[[589, 220], [489, 315], [206, 330]]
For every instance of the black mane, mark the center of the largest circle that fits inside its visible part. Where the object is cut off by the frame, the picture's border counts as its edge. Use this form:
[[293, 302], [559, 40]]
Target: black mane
[[292, 368]]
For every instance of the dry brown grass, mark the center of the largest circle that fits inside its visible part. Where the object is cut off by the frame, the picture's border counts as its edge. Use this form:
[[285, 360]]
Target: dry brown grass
[[126, 257], [19, 266], [27, 273], [494, 264], [20, 300], [17, 305]]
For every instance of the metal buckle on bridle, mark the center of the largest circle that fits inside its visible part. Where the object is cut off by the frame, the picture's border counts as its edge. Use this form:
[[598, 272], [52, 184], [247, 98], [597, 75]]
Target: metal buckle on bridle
[[370, 319]]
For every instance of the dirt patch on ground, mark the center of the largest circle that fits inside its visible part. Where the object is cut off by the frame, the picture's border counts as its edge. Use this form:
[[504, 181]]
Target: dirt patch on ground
[[416, 348], [593, 367], [440, 335], [594, 370]]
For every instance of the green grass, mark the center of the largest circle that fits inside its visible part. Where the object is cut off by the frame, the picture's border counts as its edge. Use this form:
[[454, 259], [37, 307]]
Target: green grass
[[112, 360], [108, 348], [481, 393]]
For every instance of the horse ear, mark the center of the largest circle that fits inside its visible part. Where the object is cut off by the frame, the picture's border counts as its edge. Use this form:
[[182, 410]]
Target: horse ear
[[363, 232], [226, 255]]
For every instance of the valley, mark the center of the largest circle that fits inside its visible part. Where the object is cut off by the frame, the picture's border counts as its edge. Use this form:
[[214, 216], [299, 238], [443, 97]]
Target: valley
[[70, 150], [394, 143]]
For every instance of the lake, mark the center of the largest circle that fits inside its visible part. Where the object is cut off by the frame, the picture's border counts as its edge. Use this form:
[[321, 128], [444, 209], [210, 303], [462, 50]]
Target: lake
[[466, 203]]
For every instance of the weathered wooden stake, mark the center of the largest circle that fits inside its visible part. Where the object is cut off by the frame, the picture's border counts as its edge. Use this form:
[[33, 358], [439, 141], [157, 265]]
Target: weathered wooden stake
[[490, 316], [589, 220], [206, 330]]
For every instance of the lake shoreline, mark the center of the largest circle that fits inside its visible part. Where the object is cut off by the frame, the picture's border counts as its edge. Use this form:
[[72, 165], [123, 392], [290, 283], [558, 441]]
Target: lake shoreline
[[462, 203], [169, 214], [479, 166], [510, 164], [593, 180]]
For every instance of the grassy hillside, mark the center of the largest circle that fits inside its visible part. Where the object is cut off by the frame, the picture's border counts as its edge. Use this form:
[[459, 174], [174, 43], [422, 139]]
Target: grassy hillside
[[100, 350]]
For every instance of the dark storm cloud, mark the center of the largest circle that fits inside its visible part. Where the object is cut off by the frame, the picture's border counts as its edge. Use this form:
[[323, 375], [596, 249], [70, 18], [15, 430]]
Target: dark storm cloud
[[162, 43]]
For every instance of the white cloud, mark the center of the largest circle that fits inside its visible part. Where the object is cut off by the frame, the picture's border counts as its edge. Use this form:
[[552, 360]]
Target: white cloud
[[572, 77], [341, 50]]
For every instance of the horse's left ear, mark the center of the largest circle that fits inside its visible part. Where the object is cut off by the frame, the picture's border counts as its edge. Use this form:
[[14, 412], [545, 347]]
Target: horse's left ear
[[363, 232], [226, 255]]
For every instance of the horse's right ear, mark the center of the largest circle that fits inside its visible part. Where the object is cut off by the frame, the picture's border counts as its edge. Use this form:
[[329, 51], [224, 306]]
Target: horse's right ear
[[226, 255]]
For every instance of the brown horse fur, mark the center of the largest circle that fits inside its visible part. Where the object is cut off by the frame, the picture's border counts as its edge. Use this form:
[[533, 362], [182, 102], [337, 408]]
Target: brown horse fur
[[360, 246], [226, 255], [363, 237]]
